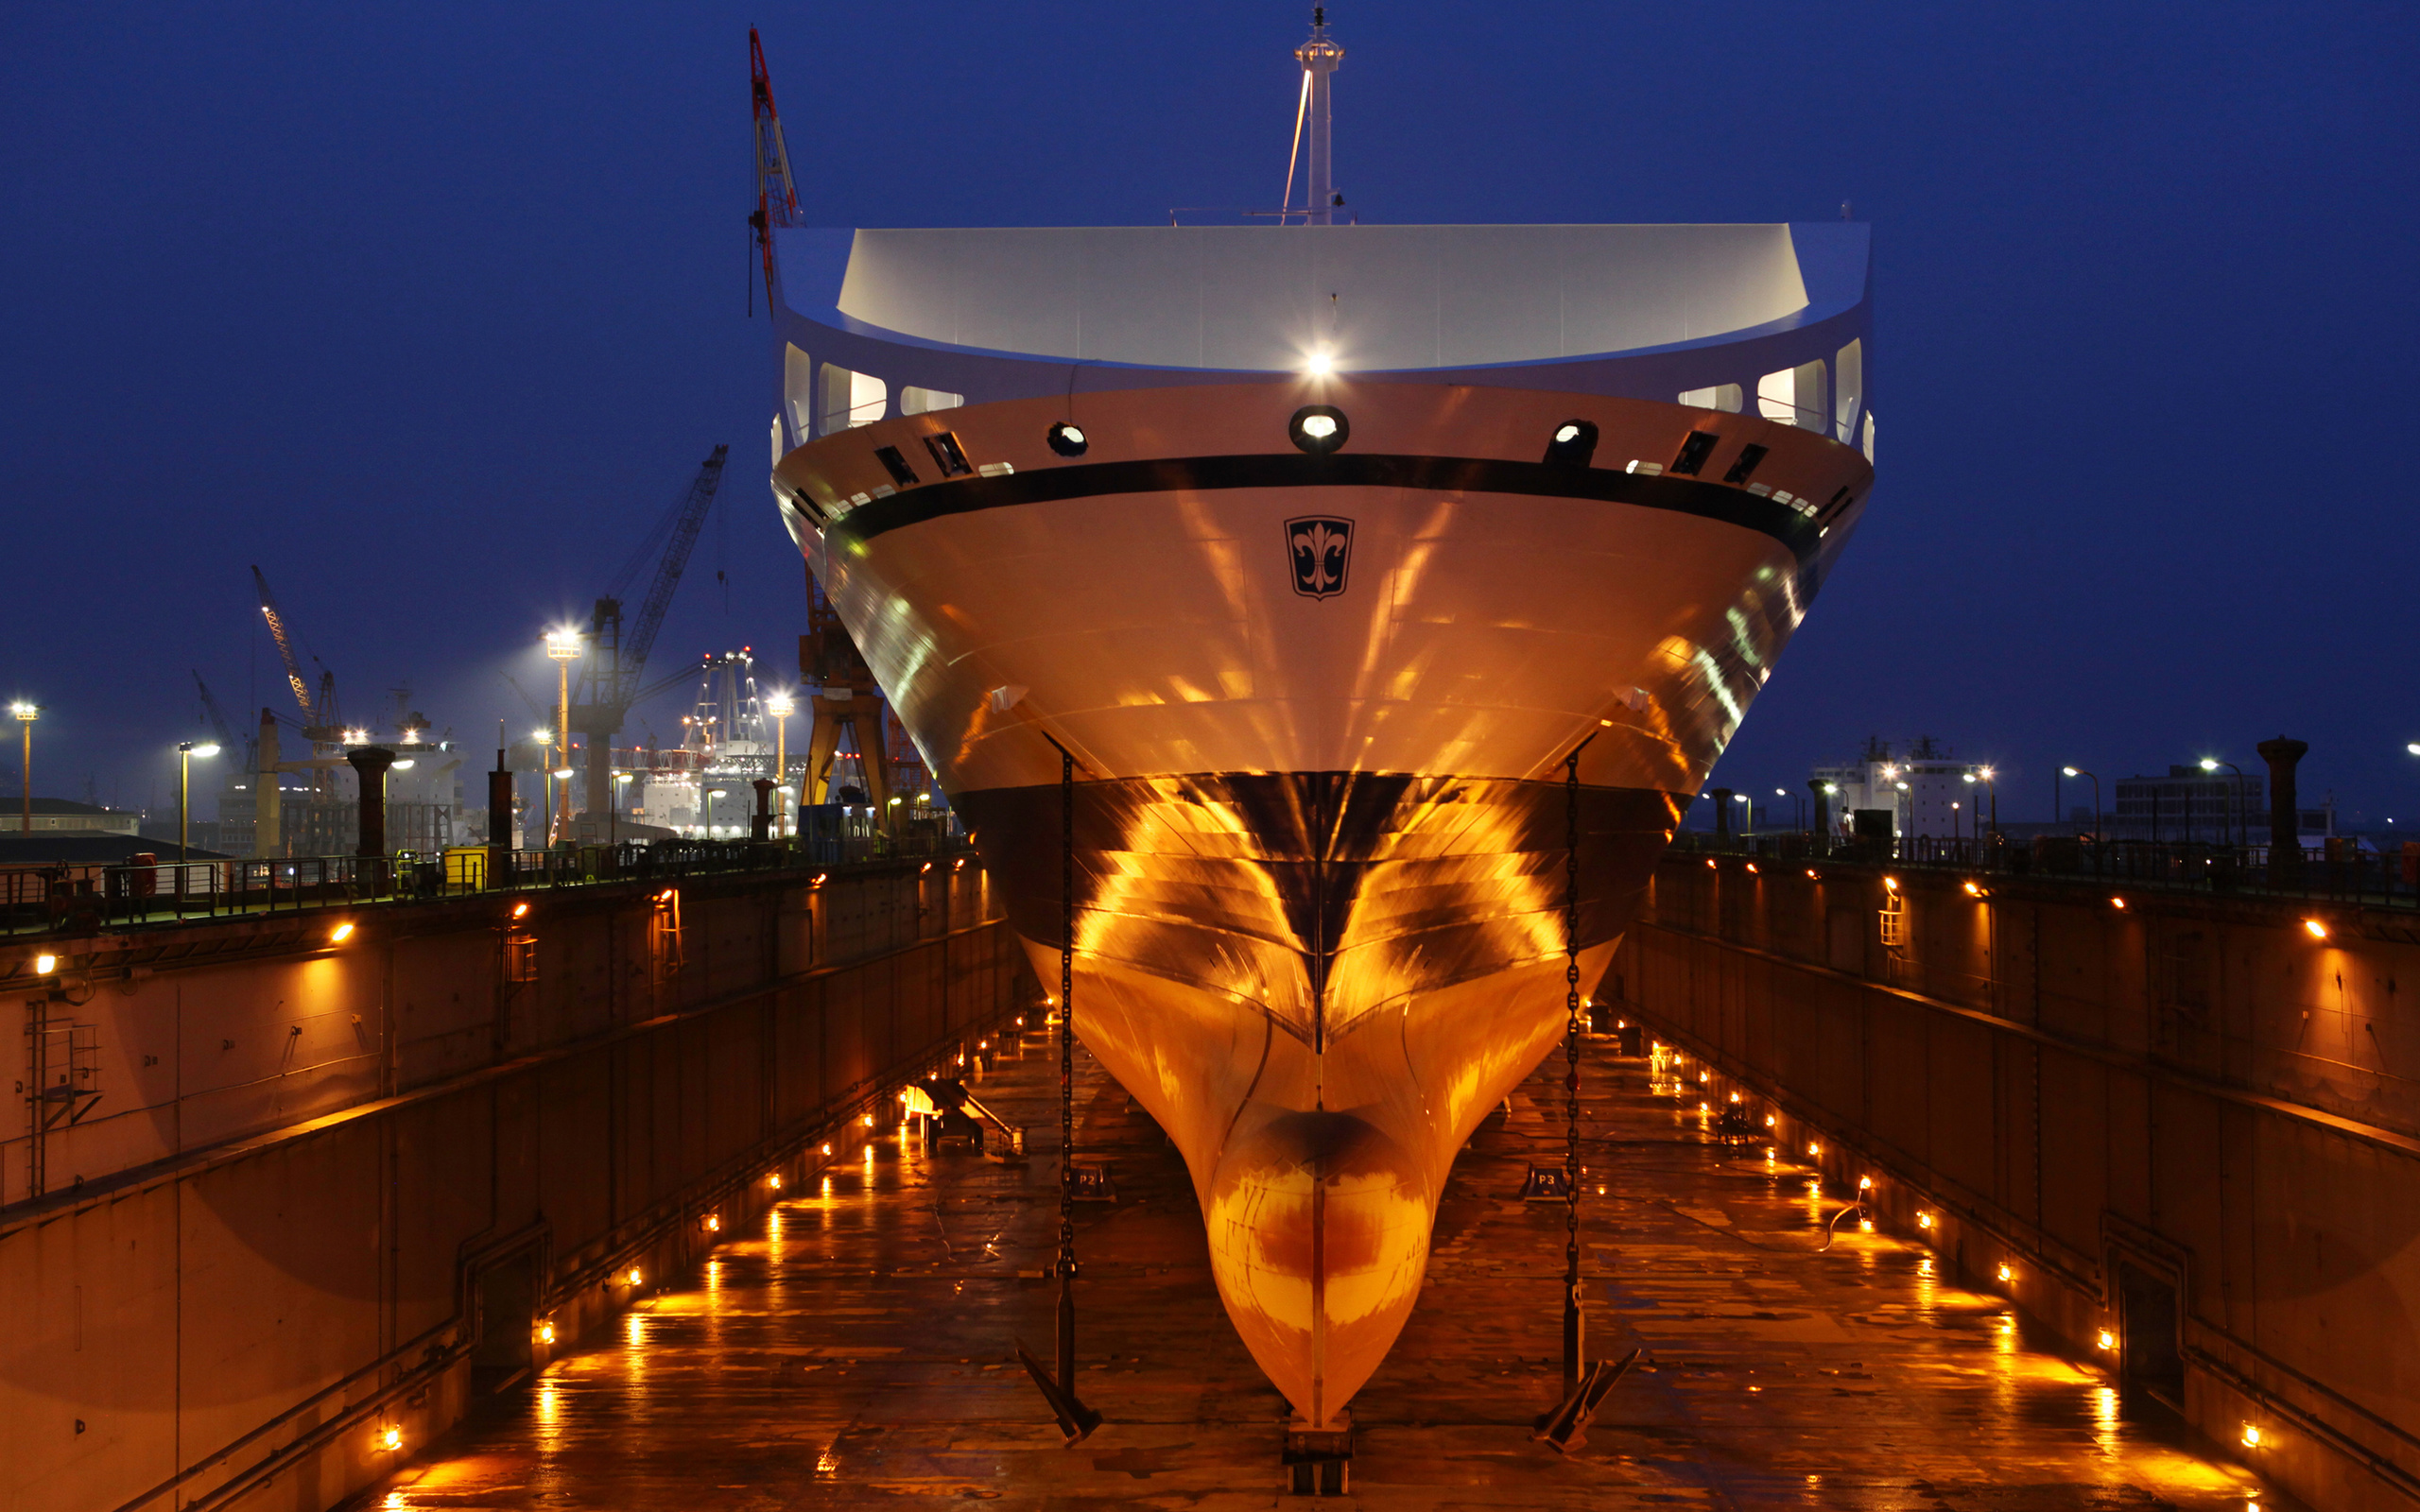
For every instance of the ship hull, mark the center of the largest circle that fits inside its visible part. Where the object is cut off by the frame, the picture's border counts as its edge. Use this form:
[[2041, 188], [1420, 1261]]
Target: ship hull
[[1360, 744]]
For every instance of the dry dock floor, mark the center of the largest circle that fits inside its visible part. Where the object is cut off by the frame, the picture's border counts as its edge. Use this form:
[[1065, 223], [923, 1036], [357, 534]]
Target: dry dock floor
[[856, 1350]]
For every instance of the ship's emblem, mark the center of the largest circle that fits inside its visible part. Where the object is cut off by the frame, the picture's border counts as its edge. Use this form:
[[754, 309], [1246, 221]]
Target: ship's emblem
[[1322, 549]]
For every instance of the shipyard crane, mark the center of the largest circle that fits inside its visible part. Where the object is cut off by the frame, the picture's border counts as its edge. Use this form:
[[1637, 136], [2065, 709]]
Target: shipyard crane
[[613, 664], [776, 192], [321, 723], [218, 724]]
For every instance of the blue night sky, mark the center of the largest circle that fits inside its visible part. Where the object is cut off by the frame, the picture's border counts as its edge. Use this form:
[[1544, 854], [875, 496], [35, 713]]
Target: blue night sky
[[430, 311]]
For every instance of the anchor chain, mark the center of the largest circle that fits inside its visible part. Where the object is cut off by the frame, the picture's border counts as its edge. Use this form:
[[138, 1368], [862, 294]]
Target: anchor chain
[[1572, 1340], [1068, 1073]]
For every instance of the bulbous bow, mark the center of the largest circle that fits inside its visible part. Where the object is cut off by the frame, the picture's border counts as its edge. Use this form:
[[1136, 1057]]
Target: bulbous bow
[[1318, 1229]]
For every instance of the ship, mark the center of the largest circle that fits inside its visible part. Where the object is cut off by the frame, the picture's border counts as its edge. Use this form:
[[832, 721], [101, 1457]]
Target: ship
[[1323, 627]]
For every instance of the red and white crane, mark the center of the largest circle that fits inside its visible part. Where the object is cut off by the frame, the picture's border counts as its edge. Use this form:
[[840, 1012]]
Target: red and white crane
[[776, 194]]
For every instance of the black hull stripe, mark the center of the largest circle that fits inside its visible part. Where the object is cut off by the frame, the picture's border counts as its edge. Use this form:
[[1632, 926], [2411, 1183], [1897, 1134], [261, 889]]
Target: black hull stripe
[[1440, 475]]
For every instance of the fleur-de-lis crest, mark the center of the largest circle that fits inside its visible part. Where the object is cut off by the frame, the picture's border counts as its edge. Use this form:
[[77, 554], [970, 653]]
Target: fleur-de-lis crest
[[1322, 548]]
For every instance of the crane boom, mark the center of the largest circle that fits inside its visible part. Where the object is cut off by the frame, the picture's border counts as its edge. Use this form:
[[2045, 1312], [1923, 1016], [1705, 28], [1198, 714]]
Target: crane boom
[[285, 645], [776, 192], [667, 573], [610, 673], [217, 715]]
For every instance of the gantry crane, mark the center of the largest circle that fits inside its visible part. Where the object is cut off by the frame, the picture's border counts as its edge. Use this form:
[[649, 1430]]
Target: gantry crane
[[614, 661], [842, 696]]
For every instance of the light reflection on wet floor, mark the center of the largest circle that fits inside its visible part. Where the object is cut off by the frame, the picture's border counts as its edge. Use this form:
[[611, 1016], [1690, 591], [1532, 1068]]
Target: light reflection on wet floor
[[856, 1350]]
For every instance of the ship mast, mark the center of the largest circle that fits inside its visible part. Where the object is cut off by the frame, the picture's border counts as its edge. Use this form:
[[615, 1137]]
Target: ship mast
[[1320, 58]]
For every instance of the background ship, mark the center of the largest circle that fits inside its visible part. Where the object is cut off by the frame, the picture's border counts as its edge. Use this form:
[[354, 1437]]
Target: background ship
[[1316, 550]]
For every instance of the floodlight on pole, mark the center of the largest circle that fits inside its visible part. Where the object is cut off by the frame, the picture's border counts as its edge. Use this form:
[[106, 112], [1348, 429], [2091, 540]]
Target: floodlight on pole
[[26, 712], [562, 647], [781, 707], [186, 752]]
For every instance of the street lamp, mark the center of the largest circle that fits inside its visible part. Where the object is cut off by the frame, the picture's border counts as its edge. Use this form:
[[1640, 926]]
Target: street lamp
[[1738, 798], [2072, 771], [781, 707], [712, 794], [563, 648], [26, 714], [614, 827], [1797, 806], [186, 752], [2242, 825]]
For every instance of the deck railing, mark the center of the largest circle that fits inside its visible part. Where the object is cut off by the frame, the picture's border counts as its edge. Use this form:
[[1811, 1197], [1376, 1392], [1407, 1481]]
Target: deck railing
[[77, 899], [2338, 871]]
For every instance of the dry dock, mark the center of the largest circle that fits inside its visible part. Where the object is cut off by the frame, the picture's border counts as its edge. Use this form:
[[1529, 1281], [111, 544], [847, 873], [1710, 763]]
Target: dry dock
[[855, 1348]]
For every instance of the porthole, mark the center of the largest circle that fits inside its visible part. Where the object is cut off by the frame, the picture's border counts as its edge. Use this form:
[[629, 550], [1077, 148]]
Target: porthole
[[1318, 429], [1067, 439], [1573, 443]]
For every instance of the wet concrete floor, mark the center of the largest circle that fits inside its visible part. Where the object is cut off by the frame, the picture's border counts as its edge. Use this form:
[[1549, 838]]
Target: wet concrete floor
[[857, 1350]]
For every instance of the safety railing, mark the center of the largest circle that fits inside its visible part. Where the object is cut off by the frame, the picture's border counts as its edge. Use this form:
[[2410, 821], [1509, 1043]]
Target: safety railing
[[78, 899], [2341, 871]]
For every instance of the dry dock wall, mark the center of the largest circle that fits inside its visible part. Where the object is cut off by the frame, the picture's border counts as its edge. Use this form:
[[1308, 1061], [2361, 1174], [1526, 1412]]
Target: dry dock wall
[[2185, 1118], [327, 1193]]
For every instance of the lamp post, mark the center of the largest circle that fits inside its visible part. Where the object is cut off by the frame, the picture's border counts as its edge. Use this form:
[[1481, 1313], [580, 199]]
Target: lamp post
[[1992, 787], [1797, 807], [1747, 816], [1976, 801], [2073, 771], [613, 829], [563, 648], [2242, 837], [26, 714], [186, 752], [712, 794], [781, 707], [543, 740]]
